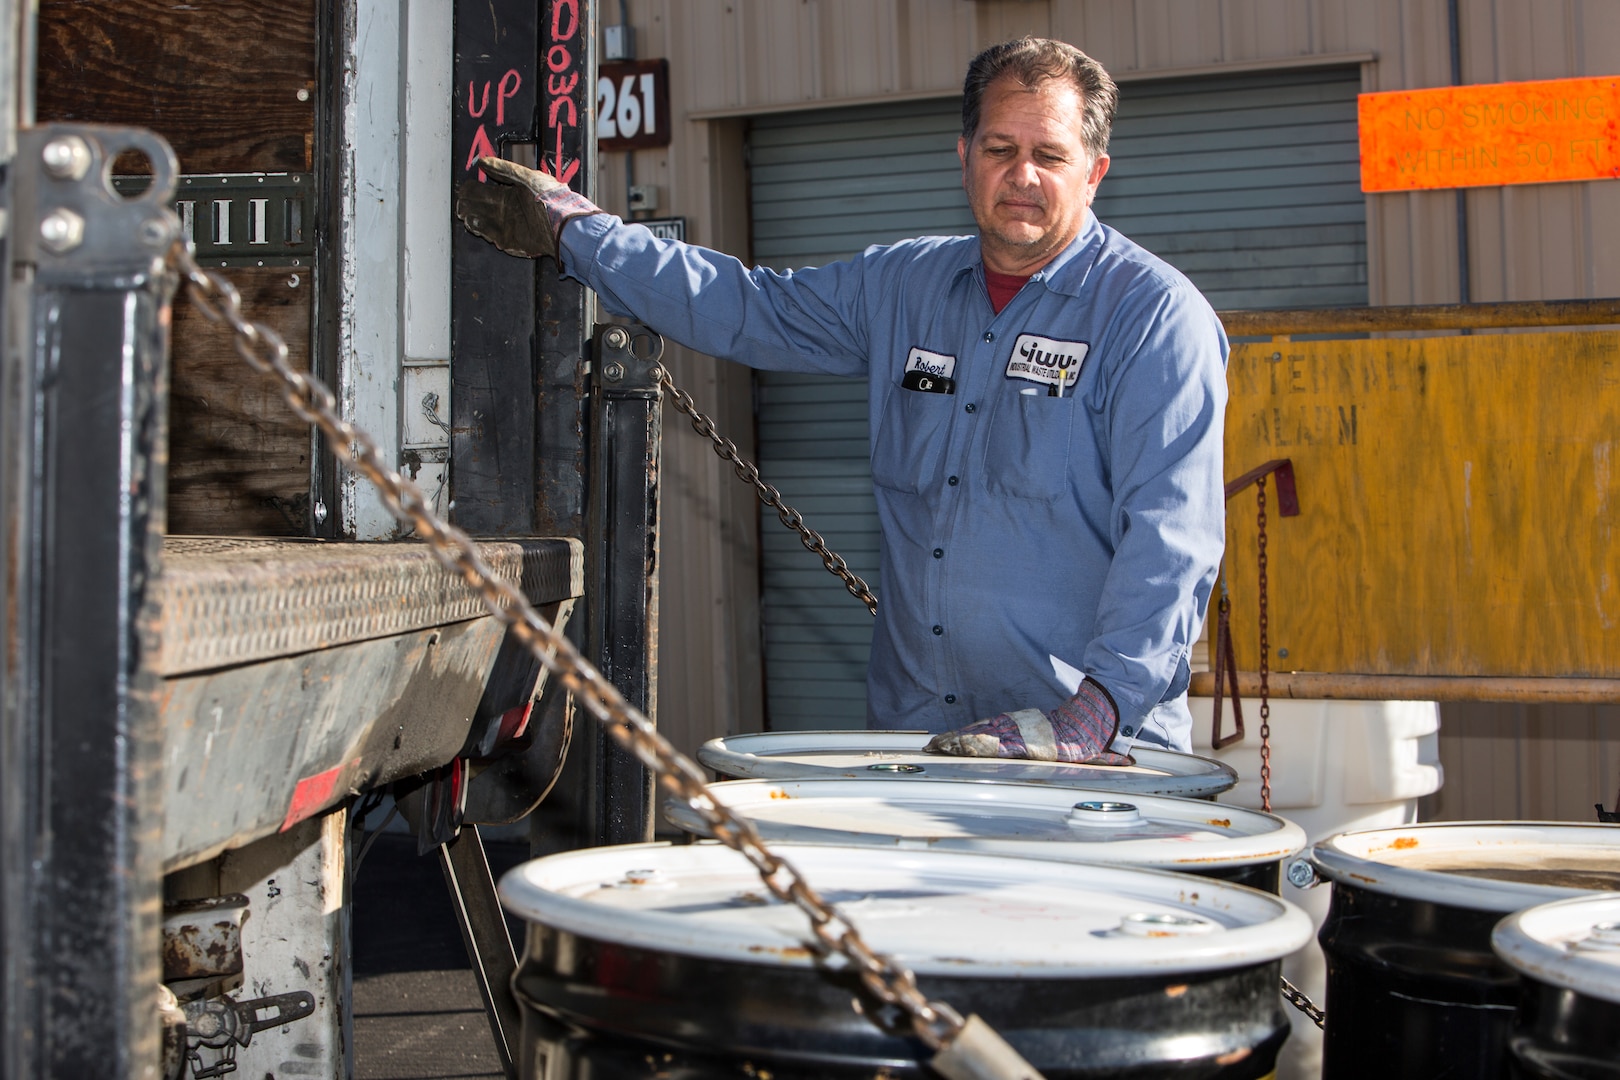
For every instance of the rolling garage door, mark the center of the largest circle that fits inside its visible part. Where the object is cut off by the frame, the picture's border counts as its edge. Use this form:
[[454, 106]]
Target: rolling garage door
[[1249, 184]]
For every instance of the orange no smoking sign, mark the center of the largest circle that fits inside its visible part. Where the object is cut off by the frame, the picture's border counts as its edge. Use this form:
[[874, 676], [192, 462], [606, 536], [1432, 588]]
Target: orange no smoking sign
[[1505, 133]]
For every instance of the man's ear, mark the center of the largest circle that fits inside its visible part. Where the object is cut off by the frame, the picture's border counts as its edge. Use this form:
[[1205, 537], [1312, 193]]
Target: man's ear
[[961, 154], [1099, 169]]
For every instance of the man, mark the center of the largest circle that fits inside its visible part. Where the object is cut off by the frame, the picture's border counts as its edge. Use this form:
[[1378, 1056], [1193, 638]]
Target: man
[[1046, 412]]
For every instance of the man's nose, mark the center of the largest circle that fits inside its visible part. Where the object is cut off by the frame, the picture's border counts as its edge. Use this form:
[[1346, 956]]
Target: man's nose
[[1023, 172]]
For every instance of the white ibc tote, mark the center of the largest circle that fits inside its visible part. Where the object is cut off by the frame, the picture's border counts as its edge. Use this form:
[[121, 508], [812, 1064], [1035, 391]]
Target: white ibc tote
[[1336, 766]]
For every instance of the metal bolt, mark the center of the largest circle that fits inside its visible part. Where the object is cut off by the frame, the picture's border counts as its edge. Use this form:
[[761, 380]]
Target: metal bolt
[[320, 511], [613, 371], [61, 231], [1282, 654], [303, 94], [155, 232], [67, 158], [1302, 875], [616, 338]]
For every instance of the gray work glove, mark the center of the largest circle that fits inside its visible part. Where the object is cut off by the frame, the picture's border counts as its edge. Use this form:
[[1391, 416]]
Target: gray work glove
[[1078, 731], [519, 210]]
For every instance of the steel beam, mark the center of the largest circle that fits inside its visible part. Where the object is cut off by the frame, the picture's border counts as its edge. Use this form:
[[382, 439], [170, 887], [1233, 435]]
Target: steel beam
[[621, 568], [81, 485]]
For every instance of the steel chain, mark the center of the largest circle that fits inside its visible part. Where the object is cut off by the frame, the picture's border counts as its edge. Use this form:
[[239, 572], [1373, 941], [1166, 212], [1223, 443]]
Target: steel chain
[[1299, 1000], [1291, 993], [935, 1023], [768, 494], [1265, 661]]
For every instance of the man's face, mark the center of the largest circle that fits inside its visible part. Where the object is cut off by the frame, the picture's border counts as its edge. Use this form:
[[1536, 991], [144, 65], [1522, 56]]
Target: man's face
[[1027, 175]]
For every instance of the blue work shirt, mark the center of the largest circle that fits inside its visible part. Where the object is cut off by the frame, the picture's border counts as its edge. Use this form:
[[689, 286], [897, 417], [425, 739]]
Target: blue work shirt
[[1015, 526]]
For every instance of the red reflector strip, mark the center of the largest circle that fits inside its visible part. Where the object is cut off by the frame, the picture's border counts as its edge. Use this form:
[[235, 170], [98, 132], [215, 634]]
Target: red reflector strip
[[314, 794]]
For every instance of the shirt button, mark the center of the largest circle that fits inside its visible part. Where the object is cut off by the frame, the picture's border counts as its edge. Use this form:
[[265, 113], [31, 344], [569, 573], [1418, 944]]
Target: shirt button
[[938, 630], [951, 481], [972, 408], [1127, 732], [950, 699], [989, 335], [939, 553]]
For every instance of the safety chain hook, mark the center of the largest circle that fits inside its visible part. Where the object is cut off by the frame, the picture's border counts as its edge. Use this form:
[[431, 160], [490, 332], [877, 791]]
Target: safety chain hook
[[768, 494], [935, 1023]]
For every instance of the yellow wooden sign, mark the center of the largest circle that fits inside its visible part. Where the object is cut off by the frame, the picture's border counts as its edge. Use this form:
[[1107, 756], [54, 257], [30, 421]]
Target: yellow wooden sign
[[1503, 133], [1459, 504]]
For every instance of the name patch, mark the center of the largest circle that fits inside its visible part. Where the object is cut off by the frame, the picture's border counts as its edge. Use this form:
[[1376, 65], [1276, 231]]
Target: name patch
[[929, 372], [1047, 361], [931, 363]]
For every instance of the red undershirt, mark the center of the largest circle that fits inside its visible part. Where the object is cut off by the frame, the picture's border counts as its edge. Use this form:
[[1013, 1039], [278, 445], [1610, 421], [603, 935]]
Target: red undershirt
[[1002, 287]]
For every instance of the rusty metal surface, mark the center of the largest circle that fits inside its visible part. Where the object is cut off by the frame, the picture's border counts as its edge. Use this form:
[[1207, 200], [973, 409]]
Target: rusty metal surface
[[251, 749], [202, 939], [228, 601], [1423, 317]]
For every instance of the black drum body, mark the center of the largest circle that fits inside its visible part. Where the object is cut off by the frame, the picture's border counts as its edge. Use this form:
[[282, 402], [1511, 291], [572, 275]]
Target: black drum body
[[1413, 990], [1417, 983], [1567, 955], [597, 1010], [1560, 1034]]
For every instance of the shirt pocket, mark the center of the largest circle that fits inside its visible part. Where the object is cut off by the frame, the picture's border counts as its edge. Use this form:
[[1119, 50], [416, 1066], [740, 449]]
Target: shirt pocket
[[1027, 450], [910, 443]]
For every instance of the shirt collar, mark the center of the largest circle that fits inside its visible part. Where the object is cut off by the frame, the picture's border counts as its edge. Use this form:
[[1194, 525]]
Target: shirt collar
[[1065, 274]]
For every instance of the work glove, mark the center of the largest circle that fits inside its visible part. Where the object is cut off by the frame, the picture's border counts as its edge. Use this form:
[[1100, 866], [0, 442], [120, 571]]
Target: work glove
[[1078, 731], [520, 210]]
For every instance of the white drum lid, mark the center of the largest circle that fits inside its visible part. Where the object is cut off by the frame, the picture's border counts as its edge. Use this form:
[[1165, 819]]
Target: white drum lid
[[1572, 944], [1484, 865], [940, 913], [851, 755], [1031, 820]]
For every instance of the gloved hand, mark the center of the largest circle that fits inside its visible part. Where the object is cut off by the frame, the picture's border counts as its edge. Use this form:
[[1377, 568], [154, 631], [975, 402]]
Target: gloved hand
[[1078, 731], [520, 210]]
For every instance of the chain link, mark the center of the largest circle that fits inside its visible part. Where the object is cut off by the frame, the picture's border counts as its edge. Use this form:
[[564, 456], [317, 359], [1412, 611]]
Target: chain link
[[1299, 1000], [769, 495], [1291, 993], [1265, 661], [935, 1023]]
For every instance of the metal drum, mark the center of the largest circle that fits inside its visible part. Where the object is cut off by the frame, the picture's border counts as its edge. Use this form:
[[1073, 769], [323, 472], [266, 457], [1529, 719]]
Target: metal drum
[[673, 961], [1029, 820], [1413, 989], [852, 755], [1567, 955]]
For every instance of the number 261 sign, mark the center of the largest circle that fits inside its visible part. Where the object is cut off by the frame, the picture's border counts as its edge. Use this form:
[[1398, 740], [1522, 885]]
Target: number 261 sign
[[632, 105]]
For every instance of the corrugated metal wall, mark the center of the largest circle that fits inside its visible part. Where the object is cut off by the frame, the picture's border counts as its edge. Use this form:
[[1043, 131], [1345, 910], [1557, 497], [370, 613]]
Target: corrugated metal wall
[[1248, 184], [733, 58], [824, 186]]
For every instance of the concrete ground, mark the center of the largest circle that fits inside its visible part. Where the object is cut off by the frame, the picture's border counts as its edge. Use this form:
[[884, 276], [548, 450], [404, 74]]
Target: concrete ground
[[417, 1013]]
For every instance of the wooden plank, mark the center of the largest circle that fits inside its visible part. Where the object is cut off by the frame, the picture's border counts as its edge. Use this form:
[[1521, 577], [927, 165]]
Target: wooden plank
[[219, 80], [1363, 320], [238, 457], [1458, 505], [1312, 685]]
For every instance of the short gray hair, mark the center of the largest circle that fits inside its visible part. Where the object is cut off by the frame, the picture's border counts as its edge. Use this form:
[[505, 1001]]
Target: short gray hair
[[1032, 61]]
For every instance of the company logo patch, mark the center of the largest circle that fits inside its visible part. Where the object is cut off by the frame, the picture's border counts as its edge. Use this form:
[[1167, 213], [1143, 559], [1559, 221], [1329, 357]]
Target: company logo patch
[[1047, 360]]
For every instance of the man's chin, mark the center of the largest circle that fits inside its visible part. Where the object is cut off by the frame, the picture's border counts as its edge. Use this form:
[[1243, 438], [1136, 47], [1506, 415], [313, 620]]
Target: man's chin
[[1020, 240]]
